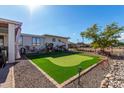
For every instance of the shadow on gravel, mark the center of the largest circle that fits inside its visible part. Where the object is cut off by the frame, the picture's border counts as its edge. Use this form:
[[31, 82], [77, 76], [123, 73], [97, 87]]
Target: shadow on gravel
[[117, 57], [4, 72]]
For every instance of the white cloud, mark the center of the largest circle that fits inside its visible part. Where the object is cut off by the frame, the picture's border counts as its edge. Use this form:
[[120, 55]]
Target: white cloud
[[122, 37]]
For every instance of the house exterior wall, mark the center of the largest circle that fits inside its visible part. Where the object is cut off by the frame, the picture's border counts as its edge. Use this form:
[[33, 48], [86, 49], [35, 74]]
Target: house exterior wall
[[62, 41], [27, 41]]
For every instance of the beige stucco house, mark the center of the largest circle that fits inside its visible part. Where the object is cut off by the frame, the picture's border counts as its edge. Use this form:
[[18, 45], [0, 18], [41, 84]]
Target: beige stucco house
[[12, 38], [9, 37], [30, 41], [56, 40]]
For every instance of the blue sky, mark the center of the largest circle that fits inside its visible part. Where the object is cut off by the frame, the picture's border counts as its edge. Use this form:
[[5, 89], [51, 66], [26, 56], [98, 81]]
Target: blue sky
[[63, 20]]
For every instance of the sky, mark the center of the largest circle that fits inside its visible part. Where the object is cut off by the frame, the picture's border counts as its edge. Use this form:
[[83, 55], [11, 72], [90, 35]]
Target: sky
[[68, 21]]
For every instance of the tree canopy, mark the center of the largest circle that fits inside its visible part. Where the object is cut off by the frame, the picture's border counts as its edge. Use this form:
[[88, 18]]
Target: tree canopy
[[104, 38]]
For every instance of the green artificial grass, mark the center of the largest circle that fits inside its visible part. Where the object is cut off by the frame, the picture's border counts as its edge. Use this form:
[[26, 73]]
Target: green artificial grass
[[69, 61], [62, 66]]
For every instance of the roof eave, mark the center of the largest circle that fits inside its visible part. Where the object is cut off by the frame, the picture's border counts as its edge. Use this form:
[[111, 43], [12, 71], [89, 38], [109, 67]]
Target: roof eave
[[10, 21]]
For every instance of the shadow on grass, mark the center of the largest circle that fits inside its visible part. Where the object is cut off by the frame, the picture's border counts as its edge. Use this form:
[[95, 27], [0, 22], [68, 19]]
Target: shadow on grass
[[52, 54]]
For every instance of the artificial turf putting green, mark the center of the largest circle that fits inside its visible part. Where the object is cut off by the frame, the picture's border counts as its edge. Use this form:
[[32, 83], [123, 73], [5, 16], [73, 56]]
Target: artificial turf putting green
[[61, 66], [69, 61]]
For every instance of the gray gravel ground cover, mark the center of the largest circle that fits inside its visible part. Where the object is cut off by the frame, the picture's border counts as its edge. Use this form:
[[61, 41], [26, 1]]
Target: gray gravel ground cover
[[28, 76], [92, 79]]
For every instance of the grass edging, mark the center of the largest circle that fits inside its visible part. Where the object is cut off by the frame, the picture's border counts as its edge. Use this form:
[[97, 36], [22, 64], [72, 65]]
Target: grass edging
[[70, 79]]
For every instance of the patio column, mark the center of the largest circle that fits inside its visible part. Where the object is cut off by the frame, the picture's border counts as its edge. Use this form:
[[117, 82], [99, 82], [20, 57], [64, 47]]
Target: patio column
[[11, 43]]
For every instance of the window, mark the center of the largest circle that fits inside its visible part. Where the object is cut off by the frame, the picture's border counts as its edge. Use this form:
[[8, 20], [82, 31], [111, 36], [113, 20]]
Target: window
[[54, 40], [36, 41], [33, 41], [21, 40], [1, 41]]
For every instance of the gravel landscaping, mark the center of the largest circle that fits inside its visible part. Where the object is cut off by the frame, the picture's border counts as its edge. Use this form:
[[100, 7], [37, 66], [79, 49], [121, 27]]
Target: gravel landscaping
[[27, 76], [92, 79], [115, 78]]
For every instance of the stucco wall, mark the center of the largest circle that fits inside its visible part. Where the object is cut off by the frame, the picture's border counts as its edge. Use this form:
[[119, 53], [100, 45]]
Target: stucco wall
[[27, 41], [49, 39]]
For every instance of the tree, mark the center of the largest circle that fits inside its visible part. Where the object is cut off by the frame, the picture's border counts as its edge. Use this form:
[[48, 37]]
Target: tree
[[103, 39]]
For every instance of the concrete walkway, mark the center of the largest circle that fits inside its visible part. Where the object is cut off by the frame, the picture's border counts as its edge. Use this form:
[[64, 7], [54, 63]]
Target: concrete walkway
[[7, 76]]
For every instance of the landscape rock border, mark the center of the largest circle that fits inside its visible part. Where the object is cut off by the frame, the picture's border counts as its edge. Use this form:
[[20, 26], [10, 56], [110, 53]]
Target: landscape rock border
[[111, 79]]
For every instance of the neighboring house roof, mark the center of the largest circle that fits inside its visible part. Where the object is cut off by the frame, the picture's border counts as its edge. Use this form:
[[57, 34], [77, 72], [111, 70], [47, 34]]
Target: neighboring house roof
[[2, 20], [47, 35], [71, 42], [43, 36], [32, 35]]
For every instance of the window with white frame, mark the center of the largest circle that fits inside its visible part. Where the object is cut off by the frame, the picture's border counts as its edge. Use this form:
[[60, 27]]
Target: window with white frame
[[21, 40], [36, 41]]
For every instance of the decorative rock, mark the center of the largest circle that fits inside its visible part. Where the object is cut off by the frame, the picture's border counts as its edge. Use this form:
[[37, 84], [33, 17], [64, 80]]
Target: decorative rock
[[103, 86], [104, 83], [116, 74], [111, 78], [122, 85], [110, 87], [108, 75]]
